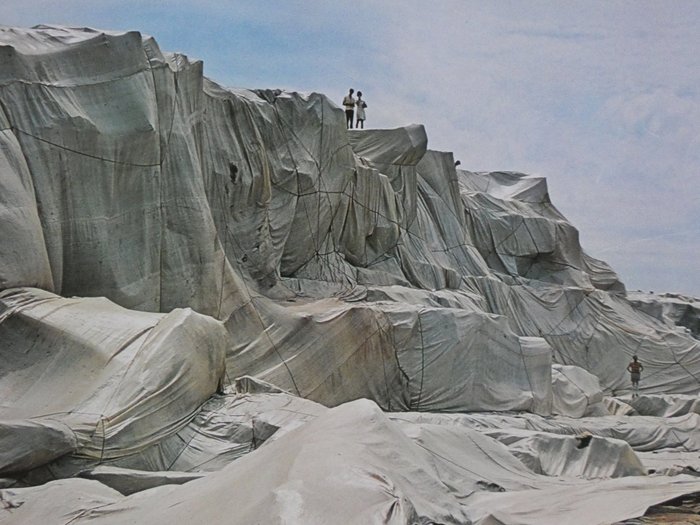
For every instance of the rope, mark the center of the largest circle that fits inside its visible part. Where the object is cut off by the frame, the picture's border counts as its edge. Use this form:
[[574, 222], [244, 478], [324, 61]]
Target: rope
[[422, 363], [82, 153]]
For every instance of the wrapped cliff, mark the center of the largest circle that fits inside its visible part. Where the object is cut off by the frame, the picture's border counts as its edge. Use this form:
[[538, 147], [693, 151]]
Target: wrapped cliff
[[190, 273]]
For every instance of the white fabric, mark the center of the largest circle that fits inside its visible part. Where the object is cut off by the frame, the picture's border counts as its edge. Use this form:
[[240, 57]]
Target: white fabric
[[665, 406], [120, 380], [270, 195], [642, 433], [163, 236], [353, 465], [26, 444], [23, 259], [575, 392], [114, 166], [407, 357], [672, 309], [128, 481], [583, 456]]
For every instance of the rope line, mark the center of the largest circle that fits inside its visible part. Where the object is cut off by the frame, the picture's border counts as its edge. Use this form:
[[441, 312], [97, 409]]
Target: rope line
[[82, 153], [422, 357]]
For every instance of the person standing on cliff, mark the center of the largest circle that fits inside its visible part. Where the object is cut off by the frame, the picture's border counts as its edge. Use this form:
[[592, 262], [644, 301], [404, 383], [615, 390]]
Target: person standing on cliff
[[349, 103], [361, 105], [635, 369]]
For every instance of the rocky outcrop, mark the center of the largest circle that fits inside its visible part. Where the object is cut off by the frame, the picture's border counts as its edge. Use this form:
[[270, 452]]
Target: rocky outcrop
[[670, 308], [163, 236]]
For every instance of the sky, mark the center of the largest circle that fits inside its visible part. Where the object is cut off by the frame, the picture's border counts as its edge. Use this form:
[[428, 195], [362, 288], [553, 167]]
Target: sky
[[600, 97]]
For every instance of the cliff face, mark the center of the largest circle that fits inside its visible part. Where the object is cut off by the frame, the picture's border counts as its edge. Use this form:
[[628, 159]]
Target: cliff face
[[336, 265], [164, 238], [153, 185], [671, 309], [130, 176]]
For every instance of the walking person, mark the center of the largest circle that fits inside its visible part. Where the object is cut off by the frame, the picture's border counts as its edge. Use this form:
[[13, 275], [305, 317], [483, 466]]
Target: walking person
[[361, 105], [349, 104], [635, 369]]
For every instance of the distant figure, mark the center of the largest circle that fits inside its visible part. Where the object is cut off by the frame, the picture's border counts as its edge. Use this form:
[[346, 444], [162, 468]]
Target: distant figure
[[361, 105], [349, 103], [635, 369], [458, 163]]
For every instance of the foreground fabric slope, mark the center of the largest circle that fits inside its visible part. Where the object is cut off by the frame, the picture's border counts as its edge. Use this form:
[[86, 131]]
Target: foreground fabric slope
[[350, 465]]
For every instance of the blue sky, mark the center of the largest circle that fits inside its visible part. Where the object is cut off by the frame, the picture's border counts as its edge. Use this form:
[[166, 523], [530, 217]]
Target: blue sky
[[602, 98]]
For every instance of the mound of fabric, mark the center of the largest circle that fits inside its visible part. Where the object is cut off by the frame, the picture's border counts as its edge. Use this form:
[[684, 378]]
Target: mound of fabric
[[352, 464], [88, 377], [165, 238], [128, 175]]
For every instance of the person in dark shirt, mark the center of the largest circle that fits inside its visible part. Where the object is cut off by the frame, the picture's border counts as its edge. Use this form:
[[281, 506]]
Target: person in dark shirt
[[635, 369], [349, 104]]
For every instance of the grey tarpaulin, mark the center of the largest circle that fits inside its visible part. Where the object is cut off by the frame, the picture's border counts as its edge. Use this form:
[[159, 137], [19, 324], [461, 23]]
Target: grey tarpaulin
[[672, 309], [118, 379], [575, 392], [351, 465], [162, 236]]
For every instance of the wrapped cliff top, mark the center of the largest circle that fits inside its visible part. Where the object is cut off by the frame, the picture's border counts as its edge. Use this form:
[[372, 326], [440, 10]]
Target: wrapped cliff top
[[670, 308], [190, 273]]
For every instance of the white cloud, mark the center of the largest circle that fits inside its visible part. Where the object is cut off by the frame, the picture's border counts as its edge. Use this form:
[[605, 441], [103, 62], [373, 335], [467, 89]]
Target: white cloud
[[605, 104]]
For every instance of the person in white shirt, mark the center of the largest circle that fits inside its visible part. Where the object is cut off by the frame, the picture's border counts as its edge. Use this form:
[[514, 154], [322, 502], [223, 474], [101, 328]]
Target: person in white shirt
[[361, 105], [349, 103]]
